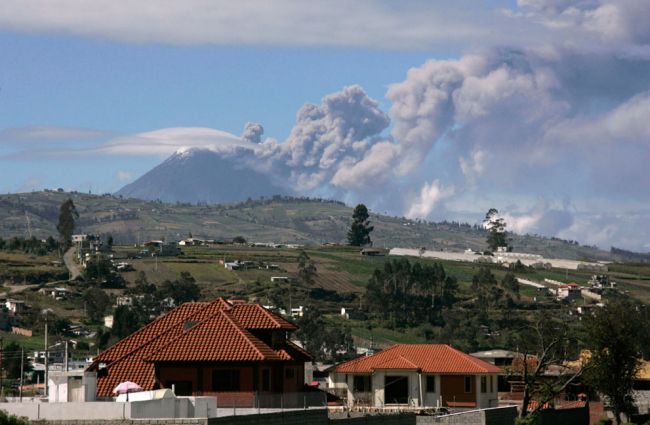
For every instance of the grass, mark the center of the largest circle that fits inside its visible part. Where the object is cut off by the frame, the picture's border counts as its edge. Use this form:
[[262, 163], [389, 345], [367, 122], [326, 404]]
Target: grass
[[29, 343]]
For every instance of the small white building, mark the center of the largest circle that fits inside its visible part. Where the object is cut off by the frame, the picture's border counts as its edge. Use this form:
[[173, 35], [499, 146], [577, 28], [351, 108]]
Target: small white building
[[70, 386], [569, 291], [15, 306], [108, 321]]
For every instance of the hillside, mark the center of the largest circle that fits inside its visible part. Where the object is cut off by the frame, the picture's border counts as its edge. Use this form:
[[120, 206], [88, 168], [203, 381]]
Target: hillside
[[287, 220]]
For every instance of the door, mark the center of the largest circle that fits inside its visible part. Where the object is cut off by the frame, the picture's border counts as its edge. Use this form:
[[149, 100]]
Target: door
[[396, 390]]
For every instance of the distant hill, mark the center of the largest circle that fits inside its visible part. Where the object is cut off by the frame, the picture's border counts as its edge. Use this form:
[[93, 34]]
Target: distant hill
[[201, 175], [276, 219]]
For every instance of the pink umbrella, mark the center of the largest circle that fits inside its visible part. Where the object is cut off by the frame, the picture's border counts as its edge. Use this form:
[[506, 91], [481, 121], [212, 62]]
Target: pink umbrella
[[127, 387]]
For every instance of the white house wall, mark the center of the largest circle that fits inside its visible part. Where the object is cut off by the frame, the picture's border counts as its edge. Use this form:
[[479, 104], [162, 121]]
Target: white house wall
[[345, 382], [489, 398]]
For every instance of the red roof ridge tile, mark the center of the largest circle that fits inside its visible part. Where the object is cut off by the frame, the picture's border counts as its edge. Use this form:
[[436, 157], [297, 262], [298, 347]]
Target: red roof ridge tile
[[251, 340], [362, 358], [102, 356], [481, 364], [220, 302], [378, 366], [430, 358], [247, 335]]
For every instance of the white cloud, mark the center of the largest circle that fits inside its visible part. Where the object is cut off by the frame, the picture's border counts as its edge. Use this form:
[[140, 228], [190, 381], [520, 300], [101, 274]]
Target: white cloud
[[166, 141], [363, 23], [49, 133]]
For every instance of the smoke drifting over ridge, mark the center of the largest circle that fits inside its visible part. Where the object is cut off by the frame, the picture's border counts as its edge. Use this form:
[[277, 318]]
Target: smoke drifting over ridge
[[555, 136]]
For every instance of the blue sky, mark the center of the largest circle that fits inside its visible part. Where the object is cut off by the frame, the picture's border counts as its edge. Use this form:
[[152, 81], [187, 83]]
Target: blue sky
[[124, 88], [436, 110]]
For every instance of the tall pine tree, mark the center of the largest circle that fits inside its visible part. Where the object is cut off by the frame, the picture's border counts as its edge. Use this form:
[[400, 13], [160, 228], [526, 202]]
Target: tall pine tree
[[359, 233], [67, 215]]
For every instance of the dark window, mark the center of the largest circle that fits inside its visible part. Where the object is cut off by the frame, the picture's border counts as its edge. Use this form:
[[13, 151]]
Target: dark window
[[289, 373], [181, 388], [396, 389], [266, 380], [468, 384], [491, 383], [483, 384], [361, 384], [431, 384], [225, 380]]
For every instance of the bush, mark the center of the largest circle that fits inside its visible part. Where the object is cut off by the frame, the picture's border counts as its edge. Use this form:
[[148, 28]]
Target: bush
[[7, 419]]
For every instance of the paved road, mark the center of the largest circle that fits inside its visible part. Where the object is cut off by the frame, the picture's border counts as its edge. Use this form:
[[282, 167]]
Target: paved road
[[73, 267]]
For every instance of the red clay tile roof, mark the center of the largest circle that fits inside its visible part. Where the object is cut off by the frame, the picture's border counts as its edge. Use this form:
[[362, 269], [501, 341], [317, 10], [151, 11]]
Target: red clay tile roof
[[254, 316], [429, 358], [218, 338], [291, 351], [193, 332]]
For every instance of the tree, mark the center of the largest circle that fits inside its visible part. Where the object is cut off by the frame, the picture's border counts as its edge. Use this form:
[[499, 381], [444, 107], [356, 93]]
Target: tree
[[11, 354], [544, 343], [239, 240], [125, 321], [614, 334], [496, 227], [96, 302], [67, 215], [181, 291], [307, 271], [359, 233], [325, 341]]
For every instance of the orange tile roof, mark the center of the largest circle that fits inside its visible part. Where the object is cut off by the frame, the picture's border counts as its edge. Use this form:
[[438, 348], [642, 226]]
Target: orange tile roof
[[213, 332], [428, 358], [219, 338], [254, 316]]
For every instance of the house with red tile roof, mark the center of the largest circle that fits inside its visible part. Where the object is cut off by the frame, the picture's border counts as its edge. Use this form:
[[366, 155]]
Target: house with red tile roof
[[210, 348], [418, 375]]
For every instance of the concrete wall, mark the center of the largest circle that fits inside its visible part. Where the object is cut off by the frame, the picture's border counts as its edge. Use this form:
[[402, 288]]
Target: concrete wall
[[494, 416], [68, 411], [299, 417], [417, 383], [400, 419], [577, 416]]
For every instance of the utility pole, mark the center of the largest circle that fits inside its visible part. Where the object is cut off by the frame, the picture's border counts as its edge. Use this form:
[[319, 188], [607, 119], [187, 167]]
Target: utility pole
[[66, 356], [22, 372], [46, 356], [2, 358]]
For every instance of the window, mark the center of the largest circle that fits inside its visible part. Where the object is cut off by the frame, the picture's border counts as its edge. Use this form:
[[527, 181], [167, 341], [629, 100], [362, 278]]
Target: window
[[468, 384], [225, 380], [483, 384], [181, 388], [361, 384], [266, 380], [491, 384], [431, 383], [289, 373]]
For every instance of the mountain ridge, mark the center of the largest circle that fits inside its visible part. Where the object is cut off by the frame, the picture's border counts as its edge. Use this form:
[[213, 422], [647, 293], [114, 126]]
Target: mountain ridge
[[278, 219], [197, 175]]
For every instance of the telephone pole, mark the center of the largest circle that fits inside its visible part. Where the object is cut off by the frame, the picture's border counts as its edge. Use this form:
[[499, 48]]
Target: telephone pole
[[46, 356], [22, 372]]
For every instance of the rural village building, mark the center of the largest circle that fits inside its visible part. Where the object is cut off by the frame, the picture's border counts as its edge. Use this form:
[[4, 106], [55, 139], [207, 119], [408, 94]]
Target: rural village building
[[207, 349], [420, 375]]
